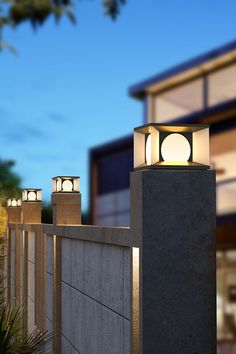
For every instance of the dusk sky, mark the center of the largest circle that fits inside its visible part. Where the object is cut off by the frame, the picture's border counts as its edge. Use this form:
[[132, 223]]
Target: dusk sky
[[66, 89]]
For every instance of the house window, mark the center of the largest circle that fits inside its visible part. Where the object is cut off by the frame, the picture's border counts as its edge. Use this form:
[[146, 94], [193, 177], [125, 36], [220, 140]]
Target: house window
[[180, 101], [222, 85]]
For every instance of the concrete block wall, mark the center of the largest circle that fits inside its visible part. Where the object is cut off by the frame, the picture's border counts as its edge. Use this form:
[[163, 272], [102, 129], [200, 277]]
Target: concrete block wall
[[95, 287], [95, 298]]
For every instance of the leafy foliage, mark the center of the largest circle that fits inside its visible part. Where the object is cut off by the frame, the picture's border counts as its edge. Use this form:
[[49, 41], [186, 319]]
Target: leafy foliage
[[113, 7], [9, 180], [47, 213], [9, 188], [15, 12], [12, 338]]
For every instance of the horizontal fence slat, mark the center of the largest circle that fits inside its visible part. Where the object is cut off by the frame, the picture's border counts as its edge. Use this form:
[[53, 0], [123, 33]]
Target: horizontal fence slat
[[121, 236]]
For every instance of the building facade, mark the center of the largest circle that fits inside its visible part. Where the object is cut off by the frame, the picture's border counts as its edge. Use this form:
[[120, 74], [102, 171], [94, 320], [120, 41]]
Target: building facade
[[202, 90]]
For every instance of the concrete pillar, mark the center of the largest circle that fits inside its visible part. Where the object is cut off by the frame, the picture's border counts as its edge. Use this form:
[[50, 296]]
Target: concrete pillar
[[173, 217], [8, 270], [57, 269], [14, 214], [31, 209], [66, 211], [31, 212], [66, 208], [39, 279]]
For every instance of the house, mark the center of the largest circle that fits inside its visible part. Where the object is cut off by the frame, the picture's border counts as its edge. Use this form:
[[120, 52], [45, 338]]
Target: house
[[201, 90]]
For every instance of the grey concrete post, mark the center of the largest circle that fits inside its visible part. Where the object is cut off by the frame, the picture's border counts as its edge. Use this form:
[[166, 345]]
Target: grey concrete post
[[173, 217], [13, 216], [66, 211]]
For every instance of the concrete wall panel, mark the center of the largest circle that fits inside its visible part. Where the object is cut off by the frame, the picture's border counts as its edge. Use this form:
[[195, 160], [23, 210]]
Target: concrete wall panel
[[31, 246], [113, 277], [93, 325], [78, 264], [112, 333], [93, 271]]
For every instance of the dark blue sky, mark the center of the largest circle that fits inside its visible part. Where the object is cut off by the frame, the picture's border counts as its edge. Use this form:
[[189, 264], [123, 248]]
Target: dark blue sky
[[66, 90]]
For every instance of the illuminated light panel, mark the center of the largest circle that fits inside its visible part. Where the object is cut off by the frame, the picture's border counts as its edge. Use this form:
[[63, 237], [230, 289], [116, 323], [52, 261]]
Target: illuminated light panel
[[175, 148], [67, 185], [149, 150], [14, 203], [32, 196]]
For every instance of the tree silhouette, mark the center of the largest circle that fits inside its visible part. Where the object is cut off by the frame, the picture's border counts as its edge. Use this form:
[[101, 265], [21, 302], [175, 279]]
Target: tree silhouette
[[15, 12]]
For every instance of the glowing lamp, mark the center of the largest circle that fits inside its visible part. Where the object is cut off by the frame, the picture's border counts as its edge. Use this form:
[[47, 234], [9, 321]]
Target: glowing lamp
[[65, 184], [171, 146], [32, 195], [13, 202]]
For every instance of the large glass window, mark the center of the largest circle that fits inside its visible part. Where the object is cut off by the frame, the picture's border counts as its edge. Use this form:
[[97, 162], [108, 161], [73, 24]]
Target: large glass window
[[226, 295], [226, 198], [222, 85], [179, 101], [189, 97]]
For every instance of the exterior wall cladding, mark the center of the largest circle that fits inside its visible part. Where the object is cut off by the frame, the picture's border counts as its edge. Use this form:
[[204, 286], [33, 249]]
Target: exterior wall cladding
[[112, 198]]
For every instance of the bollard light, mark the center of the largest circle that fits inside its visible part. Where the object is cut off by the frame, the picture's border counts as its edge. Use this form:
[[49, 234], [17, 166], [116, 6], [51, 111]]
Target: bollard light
[[65, 184], [171, 146], [32, 195], [13, 202]]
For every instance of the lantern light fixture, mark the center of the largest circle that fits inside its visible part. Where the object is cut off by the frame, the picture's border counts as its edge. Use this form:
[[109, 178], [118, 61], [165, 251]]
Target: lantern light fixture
[[32, 195], [13, 202], [171, 146], [66, 184]]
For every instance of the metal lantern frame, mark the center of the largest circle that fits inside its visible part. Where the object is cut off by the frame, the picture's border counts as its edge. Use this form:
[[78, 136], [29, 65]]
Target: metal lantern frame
[[196, 135]]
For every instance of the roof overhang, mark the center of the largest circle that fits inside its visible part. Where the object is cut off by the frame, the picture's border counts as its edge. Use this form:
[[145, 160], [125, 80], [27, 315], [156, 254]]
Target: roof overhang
[[186, 71]]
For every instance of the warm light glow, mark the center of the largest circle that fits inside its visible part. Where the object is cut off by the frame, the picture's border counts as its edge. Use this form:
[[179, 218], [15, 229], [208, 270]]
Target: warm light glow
[[149, 150], [32, 196], [58, 185], [135, 300], [14, 202], [67, 186], [175, 148]]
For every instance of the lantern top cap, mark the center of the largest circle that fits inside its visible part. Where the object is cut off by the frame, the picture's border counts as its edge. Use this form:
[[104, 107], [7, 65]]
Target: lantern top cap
[[32, 189], [66, 177], [175, 128]]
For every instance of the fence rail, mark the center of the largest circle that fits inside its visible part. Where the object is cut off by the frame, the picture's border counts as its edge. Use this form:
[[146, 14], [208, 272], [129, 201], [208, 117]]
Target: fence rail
[[75, 281]]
